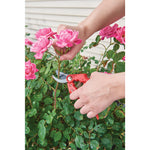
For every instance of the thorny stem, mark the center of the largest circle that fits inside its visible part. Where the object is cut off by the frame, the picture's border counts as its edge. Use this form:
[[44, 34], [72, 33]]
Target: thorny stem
[[30, 101], [106, 48], [57, 83]]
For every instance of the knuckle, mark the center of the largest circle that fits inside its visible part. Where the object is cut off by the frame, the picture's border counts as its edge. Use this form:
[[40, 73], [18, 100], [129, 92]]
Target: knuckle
[[94, 74]]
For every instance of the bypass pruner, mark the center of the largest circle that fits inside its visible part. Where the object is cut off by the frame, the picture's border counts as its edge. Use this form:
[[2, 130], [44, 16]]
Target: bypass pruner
[[69, 79]]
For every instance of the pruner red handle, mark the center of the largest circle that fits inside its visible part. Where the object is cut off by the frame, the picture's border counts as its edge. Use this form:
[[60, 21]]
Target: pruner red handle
[[83, 78]]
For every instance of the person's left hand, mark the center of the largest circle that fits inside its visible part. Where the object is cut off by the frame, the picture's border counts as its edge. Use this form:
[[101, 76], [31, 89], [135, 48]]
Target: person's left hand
[[100, 91]]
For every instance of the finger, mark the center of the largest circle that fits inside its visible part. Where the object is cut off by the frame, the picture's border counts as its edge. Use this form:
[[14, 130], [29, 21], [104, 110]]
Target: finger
[[91, 114], [78, 104], [67, 57], [70, 55], [84, 110], [74, 95]]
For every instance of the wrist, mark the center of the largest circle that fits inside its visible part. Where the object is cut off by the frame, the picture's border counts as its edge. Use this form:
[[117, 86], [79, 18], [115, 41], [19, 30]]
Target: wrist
[[86, 32], [117, 90]]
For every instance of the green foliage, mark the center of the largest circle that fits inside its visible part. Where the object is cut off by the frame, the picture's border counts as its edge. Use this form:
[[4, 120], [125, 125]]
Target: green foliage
[[64, 127]]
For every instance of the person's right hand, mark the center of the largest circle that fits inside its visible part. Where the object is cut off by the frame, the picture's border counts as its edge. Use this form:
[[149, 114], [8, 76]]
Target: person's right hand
[[76, 48]]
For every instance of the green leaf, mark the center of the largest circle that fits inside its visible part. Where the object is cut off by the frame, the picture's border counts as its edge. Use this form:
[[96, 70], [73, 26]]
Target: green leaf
[[66, 133], [79, 141], [119, 114], [40, 149], [109, 121], [115, 40], [92, 136], [37, 61], [42, 69], [107, 141], [117, 142], [110, 66], [110, 54], [90, 127], [27, 34], [60, 126], [26, 91], [31, 56], [93, 44], [94, 144], [38, 97], [48, 68], [57, 93], [116, 126], [78, 115], [48, 101], [62, 145], [42, 142], [97, 39], [73, 147], [44, 89], [119, 67], [116, 47], [52, 134], [86, 135], [27, 130], [32, 112], [35, 104], [118, 56], [67, 109], [48, 118], [42, 130], [96, 61], [57, 136], [101, 128]]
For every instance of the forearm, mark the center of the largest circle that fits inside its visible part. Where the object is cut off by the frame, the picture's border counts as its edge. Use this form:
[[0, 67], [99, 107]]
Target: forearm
[[107, 12]]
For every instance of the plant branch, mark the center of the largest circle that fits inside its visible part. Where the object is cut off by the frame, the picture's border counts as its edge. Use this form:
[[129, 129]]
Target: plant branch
[[48, 84], [106, 48], [57, 83], [30, 101]]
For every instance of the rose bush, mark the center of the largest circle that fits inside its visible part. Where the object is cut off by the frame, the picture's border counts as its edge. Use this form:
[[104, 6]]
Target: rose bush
[[51, 122]]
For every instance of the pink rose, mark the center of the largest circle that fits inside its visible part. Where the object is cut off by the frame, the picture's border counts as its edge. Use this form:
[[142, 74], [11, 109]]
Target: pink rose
[[123, 58], [67, 38], [40, 46], [120, 35], [28, 42], [45, 32], [30, 70], [108, 31]]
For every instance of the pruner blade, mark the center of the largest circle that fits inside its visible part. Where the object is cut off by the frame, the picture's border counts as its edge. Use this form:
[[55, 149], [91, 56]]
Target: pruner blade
[[62, 77], [59, 80]]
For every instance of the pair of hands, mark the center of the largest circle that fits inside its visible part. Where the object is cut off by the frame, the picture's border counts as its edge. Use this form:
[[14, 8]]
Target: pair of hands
[[101, 90]]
